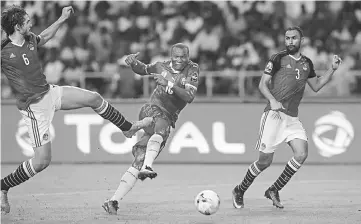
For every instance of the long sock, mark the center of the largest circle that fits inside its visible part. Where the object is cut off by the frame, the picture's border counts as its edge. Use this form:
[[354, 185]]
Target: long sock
[[291, 168], [108, 112], [252, 173], [126, 184], [23, 173], [153, 148]]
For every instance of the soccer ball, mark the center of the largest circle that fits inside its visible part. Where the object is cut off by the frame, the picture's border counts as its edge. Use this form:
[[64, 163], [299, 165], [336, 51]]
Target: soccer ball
[[207, 202]]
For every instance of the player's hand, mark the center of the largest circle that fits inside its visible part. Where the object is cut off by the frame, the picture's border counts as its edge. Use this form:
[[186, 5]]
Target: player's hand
[[276, 106], [132, 58], [336, 61], [67, 11], [159, 79]]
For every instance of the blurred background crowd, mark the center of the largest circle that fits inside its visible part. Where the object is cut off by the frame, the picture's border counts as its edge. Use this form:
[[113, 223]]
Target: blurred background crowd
[[231, 40]]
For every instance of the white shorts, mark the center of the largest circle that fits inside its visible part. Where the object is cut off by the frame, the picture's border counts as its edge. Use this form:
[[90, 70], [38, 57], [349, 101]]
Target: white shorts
[[38, 116], [275, 130]]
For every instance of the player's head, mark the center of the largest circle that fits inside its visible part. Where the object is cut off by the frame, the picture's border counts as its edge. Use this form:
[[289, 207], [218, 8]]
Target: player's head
[[15, 19], [293, 39], [179, 55]]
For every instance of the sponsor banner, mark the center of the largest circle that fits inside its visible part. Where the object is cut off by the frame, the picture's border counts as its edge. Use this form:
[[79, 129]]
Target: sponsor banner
[[204, 133]]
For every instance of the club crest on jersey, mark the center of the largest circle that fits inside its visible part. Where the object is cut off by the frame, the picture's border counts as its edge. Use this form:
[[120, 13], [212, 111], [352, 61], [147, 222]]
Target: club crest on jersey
[[194, 77], [269, 67], [31, 46], [12, 55], [305, 67]]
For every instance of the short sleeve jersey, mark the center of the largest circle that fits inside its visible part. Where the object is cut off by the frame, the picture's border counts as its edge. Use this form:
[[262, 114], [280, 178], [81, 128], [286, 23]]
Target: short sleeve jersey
[[289, 78], [164, 97], [22, 67]]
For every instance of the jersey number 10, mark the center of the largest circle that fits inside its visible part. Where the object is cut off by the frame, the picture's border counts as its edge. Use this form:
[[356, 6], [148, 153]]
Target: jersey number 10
[[26, 60], [169, 90]]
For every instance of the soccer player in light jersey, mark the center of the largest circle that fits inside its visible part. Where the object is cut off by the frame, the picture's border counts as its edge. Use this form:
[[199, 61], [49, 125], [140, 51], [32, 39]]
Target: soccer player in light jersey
[[177, 83], [283, 84], [36, 99]]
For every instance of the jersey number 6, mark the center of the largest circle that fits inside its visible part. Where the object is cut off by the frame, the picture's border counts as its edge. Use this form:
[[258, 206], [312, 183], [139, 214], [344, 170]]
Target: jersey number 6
[[26, 60], [298, 73]]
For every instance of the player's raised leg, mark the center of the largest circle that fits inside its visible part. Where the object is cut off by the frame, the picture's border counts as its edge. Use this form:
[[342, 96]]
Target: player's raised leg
[[74, 98], [129, 178], [155, 144], [300, 151], [25, 171]]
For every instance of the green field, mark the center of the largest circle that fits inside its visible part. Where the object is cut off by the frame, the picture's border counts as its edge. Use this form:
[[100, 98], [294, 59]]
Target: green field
[[75, 193]]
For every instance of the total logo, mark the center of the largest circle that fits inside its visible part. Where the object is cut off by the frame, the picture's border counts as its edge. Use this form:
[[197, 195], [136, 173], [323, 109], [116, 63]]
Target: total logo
[[344, 133], [23, 138], [188, 136]]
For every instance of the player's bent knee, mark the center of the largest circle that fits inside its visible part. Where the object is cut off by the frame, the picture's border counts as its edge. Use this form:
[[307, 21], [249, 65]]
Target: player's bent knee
[[262, 165], [95, 100], [41, 162], [301, 156], [163, 133], [264, 161]]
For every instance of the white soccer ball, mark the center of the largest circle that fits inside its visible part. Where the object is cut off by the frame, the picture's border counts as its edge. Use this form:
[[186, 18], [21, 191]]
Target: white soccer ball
[[207, 202]]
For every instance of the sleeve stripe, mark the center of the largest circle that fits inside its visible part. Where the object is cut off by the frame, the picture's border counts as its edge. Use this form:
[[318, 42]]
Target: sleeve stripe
[[273, 57], [190, 85], [5, 42]]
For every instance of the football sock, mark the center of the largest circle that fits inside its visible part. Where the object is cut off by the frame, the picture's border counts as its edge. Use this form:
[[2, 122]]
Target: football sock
[[126, 184], [290, 169], [23, 173], [108, 112], [153, 148], [252, 173]]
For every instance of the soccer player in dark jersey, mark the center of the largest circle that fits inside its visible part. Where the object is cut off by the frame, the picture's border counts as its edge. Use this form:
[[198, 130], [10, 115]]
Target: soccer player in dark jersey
[[283, 84], [177, 83], [36, 99]]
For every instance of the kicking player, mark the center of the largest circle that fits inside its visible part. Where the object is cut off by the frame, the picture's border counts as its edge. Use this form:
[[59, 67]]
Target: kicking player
[[36, 99], [177, 81], [283, 84]]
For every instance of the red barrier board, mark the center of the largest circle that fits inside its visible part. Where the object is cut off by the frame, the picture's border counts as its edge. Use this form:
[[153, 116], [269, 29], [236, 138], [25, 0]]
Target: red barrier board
[[205, 133]]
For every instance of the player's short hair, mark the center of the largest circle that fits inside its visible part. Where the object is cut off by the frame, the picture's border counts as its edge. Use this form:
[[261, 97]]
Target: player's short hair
[[11, 16], [299, 30], [179, 45]]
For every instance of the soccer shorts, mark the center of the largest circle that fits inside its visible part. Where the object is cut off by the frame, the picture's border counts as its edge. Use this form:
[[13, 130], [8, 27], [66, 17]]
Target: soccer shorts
[[38, 116], [276, 128]]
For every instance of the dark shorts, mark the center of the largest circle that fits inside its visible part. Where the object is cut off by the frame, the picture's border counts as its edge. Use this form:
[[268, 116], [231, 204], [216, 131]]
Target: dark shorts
[[151, 110]]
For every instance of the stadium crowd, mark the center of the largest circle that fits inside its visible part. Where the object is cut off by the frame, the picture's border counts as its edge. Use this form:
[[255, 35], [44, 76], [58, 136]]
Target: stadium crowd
[[223, 37]]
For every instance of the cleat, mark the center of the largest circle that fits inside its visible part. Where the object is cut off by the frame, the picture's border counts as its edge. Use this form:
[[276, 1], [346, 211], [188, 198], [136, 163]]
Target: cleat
[[146, 172], [5, 206], [137, 125], [237, 198], [111, 207], [274, 196]]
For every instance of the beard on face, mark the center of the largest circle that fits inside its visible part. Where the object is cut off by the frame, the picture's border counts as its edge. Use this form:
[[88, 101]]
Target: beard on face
[[293, 49]]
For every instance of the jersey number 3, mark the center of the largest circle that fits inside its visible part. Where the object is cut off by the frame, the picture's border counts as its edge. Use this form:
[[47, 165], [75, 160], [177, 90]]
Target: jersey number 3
[[298, 73], [26, 60]]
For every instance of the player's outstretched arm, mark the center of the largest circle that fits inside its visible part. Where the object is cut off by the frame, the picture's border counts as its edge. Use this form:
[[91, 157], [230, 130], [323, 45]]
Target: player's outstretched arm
[[317, 82], [139, 67], [49, 32]]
